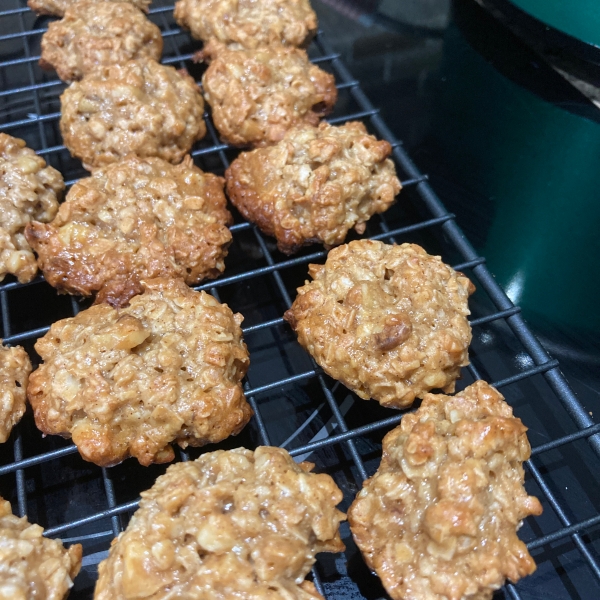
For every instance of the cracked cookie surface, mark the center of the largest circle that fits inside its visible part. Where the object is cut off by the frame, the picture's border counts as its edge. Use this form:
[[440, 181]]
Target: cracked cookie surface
[[257, 95], [32, 565], [438, 520], [98, 34], [139, 107], [15, 368], [389, 322], [128, 382], [58, 7], [132, 220], [29, 190], [231, 524], [315, 185], [248, 23]]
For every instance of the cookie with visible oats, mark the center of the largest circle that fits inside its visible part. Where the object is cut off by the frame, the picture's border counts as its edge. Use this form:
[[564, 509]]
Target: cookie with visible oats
[[248, 23], [98, 34], [15, 368], [439, 518], [315, 185], [231, 524], [130, 381], [32, 565], [59, 7], [140, 107], [29, 190], [256, 95], [389, 322], [136, 219]]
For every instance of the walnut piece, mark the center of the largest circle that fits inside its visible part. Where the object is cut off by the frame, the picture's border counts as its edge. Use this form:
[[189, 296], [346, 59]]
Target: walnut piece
[[257, 95], [139, 107], [128, 382], [98, 34], [32, 566], [248, 23], [389, 322], [315, 185], [29, 190], [15, 368], [231, 524], [438, 520], [136, 219]]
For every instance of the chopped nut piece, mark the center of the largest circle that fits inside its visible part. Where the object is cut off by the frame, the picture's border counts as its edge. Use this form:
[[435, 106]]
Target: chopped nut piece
[[439, 518], [389, 322], [233, 524]]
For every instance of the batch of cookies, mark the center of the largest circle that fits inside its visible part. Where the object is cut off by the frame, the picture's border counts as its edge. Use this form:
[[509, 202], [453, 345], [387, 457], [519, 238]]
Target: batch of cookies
[[153, 362]]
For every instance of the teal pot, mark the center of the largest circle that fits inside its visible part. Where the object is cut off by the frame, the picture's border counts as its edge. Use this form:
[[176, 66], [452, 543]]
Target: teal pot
[[536, 163]]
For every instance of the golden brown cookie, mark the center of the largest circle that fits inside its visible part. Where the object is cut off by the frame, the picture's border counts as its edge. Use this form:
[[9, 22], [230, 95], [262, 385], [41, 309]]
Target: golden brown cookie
[[439, 518], [98, 34], [15, 368], [248, 23], [232, 524], [28, 190], [139, 107], [33, 566], [389, 322], [136, 219], [128, 382], [257, 95], [315, 185], [59, 7]]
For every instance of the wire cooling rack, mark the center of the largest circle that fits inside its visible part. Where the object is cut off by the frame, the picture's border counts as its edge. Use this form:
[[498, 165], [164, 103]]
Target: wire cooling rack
[[295, 404]]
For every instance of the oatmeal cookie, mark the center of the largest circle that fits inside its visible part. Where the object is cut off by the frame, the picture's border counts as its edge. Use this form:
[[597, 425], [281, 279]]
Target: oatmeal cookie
[[389, 322], [137, 219], [31, 565], [257, 95], [128, 382], [140, 107], [315, 185], [232, 524], [15, 368], [59, 7], [28, 190], [248, 23], [439, 518], [98, 34]]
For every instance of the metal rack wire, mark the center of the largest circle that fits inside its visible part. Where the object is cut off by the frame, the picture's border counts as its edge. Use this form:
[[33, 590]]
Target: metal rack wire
[[295, 404]]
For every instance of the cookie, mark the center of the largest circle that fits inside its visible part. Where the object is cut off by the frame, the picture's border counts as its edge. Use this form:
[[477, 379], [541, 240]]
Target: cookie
[[231, 524], [257, 95], [128, 382], [15, 368], [140, 107], [29, 189], [98, 34], [59, 7], [439, 518], [248, 23], [315, 185], [33, 566], [389, 322], [137, 219]]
